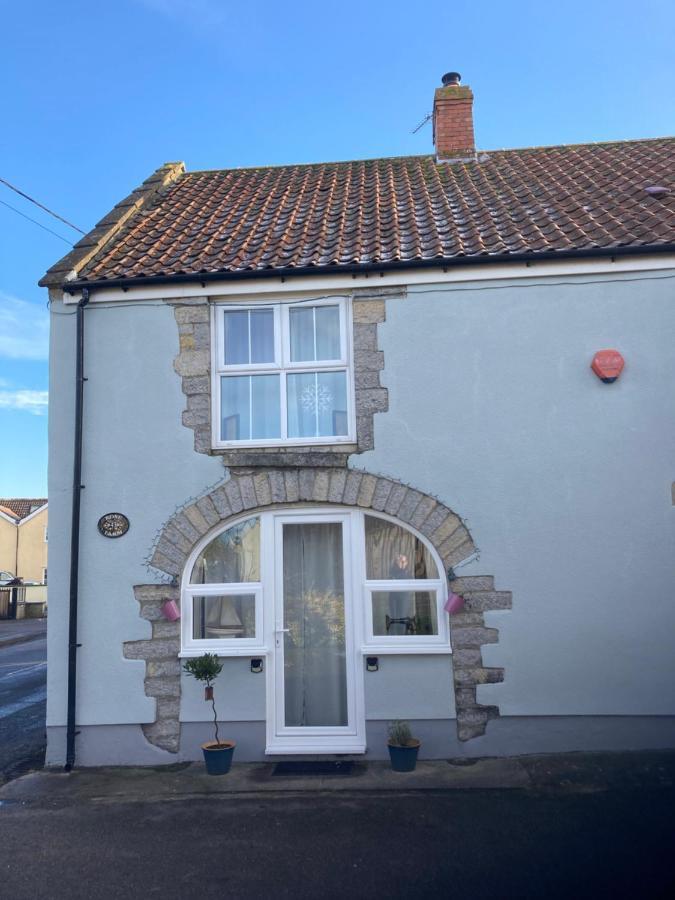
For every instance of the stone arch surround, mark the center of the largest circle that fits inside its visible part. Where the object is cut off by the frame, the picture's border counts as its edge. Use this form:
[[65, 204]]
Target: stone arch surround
[[254, 490]]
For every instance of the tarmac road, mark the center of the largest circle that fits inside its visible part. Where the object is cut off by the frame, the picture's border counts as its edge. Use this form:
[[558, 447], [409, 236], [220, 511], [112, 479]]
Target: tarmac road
[[23, 674], [474, 844]]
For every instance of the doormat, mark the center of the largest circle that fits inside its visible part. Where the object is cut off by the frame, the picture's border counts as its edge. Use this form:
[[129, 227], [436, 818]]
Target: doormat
[[313, 767]]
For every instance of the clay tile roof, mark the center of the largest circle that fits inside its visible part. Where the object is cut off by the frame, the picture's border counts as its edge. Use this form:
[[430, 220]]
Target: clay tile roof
[[21, 506], [405, 210]]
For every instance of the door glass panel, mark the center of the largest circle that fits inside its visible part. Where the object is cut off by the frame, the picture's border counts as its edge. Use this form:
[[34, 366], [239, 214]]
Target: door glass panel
[[226, 616], [315, 669], [232, 557], [404, 612], [395, 552], [317, 404]]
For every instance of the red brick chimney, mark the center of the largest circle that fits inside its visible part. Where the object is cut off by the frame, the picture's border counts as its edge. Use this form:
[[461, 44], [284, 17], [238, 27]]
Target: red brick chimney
[[453, 121]]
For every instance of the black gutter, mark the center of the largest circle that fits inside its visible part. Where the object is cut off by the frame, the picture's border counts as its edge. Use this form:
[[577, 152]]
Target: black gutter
[[75, 533], [356, 269]]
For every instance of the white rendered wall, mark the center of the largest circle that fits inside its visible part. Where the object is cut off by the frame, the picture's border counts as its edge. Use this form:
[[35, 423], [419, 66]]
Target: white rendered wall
[[138, 460], [565, 482]]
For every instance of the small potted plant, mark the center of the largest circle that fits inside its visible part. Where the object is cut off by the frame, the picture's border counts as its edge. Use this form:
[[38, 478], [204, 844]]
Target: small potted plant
[[217, 754], [403, 747]]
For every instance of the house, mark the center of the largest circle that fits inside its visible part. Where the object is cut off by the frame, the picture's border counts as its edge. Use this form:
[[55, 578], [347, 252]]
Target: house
[[319, 398], [23, 538]]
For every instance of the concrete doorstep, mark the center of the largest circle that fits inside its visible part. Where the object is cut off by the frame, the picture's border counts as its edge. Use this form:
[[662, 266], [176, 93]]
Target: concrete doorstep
[[569, 772]]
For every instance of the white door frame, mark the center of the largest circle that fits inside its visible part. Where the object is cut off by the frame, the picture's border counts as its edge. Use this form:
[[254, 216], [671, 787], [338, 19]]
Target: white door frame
[[343, 739]]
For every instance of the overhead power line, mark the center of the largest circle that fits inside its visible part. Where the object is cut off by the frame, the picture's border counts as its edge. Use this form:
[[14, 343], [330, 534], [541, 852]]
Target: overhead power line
[[41, 205], [35, 222]]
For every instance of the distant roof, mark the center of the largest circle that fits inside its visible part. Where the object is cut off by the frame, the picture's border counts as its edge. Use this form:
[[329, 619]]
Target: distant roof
[[21, 506], [393, 212]]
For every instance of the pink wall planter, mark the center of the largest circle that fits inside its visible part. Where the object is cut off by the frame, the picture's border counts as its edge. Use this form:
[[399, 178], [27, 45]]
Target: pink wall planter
[[171, 611], [454, 603]]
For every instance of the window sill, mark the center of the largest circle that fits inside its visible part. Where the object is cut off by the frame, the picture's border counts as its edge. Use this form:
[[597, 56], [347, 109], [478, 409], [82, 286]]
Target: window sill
[[287, 456], [407, 649], [223, 652]]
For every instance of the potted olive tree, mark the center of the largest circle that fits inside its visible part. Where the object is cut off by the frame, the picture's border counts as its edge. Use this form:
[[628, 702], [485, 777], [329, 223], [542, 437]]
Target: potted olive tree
[[403, 747], [217, 754]]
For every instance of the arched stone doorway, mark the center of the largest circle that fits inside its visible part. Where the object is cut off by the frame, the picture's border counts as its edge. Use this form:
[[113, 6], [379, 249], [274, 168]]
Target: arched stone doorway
[[266, 489]]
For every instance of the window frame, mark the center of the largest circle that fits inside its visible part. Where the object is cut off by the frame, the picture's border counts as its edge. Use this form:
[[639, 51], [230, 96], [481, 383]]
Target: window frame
[[365, 641], [282, 366], [403, 643], [235, 646]]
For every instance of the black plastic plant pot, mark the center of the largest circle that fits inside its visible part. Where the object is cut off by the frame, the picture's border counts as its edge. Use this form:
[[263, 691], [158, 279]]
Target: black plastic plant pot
[[404, 759], [218, 757]]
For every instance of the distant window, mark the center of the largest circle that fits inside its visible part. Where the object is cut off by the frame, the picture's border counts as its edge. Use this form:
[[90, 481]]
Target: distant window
[[46, 534], [44, 576]]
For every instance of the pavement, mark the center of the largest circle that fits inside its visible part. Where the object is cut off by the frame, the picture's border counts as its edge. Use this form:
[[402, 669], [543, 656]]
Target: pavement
[[561, 773], [560, 826], [19, 631]]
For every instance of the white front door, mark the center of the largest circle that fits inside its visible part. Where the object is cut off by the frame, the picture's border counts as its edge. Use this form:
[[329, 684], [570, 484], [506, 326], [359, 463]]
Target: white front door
[[315, 702]]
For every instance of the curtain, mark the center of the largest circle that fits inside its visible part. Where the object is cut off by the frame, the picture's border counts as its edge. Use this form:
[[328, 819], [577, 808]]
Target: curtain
[[315, 673]]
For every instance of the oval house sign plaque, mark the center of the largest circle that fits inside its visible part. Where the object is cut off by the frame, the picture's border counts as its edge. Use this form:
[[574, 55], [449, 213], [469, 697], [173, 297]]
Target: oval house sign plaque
[[113, 525]]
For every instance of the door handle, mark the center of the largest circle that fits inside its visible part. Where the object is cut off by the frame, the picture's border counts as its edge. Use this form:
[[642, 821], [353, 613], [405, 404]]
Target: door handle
[[281, 630]]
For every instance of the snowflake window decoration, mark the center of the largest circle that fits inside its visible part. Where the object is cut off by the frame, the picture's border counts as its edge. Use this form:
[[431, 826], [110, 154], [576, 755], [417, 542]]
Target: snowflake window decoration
[[315, 399]]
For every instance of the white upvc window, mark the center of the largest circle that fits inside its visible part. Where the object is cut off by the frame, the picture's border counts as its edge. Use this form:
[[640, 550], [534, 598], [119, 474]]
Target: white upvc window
[[404, 590], [397, 580], [223, 594], [282, 374]]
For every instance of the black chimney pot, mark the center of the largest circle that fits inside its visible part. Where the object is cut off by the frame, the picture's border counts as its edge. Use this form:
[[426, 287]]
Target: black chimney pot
[[451, 78]]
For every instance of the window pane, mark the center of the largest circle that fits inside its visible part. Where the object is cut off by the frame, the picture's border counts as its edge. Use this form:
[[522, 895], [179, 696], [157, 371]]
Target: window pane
[[235, 408], [262, 335], [315, 333], [327, 332], [250, 407], [265, 421], [227, 616], [301, 323], [395, 552], [232, 557], [236, 338], [404, 613], [317, 404]]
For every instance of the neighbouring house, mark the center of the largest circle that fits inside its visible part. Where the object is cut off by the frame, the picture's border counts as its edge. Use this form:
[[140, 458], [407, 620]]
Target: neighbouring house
[[311, 401], [23, 538]]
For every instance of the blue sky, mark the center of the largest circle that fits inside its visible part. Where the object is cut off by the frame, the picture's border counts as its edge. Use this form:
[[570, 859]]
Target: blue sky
[[102, 94]]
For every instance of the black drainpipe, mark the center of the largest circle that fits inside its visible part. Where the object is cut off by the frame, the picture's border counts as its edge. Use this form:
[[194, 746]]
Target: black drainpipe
[[75, 534]]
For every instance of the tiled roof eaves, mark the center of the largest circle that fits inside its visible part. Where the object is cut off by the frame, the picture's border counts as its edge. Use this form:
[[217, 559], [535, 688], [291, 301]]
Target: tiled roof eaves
[[386, 214], [109, 226], [361, 268]]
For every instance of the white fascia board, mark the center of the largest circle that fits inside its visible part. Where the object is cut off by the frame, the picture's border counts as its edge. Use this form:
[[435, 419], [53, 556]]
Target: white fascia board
[[8, 518], [311, 285]]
